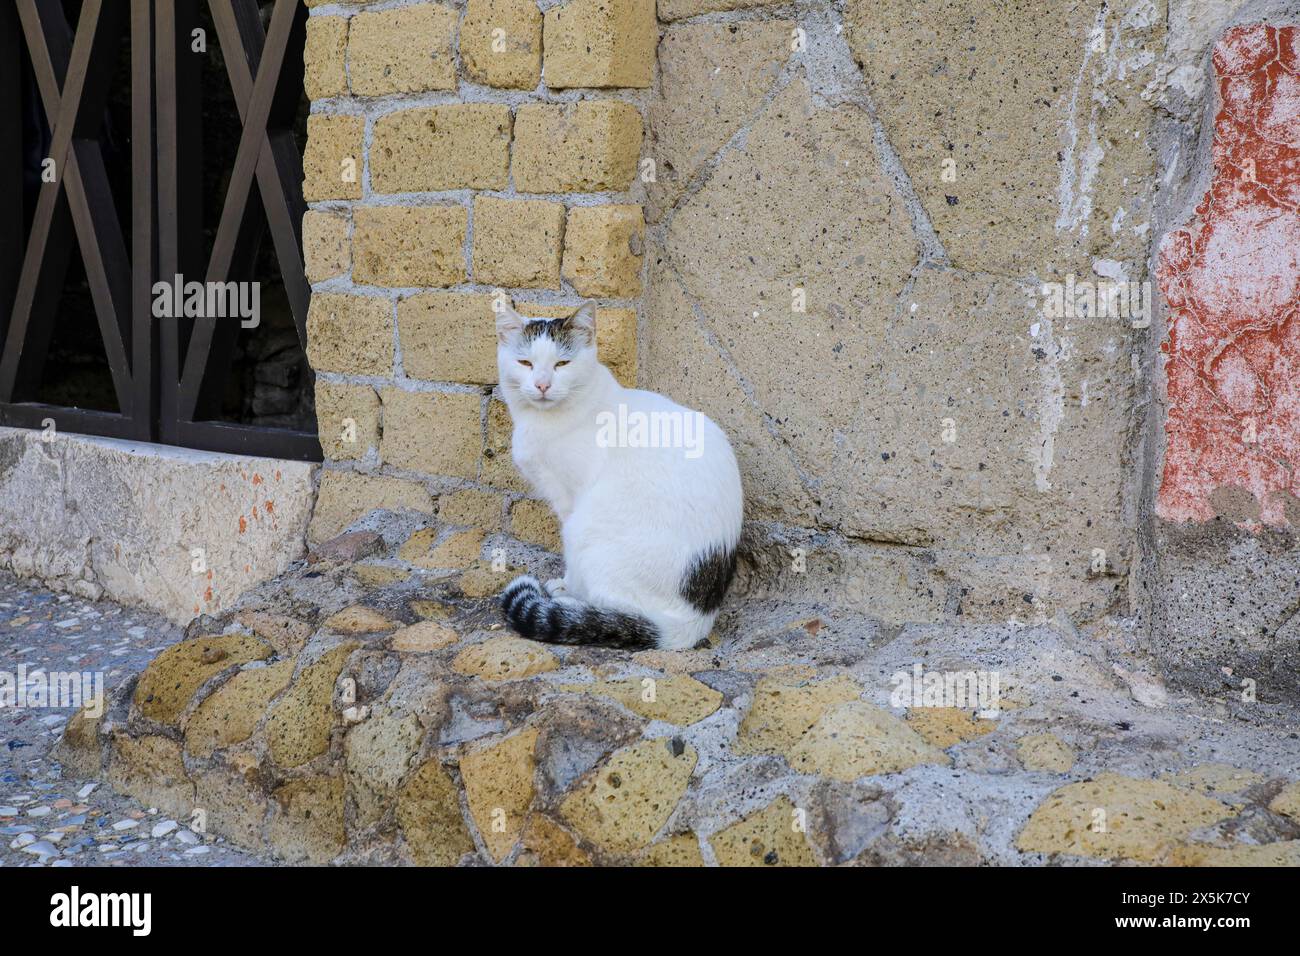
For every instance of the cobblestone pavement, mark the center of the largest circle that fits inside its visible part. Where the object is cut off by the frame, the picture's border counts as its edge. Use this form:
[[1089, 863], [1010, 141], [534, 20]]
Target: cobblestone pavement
[[44, 818]]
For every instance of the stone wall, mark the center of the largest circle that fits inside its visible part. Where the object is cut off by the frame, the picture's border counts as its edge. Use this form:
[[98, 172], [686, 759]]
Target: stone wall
[[861, 236], [442, 173]]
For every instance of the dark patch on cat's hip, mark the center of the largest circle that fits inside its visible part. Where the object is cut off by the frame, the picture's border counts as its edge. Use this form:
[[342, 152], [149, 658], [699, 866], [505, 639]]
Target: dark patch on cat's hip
[[707, 579]]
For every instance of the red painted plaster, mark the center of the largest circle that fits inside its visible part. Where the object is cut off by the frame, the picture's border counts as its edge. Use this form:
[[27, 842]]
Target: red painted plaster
[[1231, 284]]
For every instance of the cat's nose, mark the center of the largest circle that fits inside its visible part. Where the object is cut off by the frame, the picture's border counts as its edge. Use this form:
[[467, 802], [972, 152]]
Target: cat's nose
[[543, 386]]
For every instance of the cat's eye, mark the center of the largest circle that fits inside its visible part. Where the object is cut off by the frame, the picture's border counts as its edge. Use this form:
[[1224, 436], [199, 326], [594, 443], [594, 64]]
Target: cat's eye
[[562, 364], [525, 363]]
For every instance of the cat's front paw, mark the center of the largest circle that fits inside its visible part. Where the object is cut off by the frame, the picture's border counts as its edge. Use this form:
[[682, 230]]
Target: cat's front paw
[[555, 586]]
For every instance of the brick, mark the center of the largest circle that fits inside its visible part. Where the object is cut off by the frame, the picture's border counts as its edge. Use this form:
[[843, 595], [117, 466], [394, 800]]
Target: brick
[[331, 163], [498, 468], [602, 250], [345, 496], [615, 339], [347, 418], [601, 43], [591, 146], [459, 146], [517, 64], [326, 250], [432, 432], [350, 333], [616, 343], [535, 522], [409, 245], [405, 50], [517, 242], [449, 337], [325, 57], [477, 509]]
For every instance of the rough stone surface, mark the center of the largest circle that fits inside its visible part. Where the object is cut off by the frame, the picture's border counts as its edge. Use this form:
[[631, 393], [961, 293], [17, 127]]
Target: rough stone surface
[[326, 245], [345, 496], [857, 739], [458, 146], [325, 57], [409, 245], [307, 820], [332, 161], [378, 753], [514, 63], [298, 726], [1046, 752], [680, 850], [627, 799], [448, 337], [681, 9], [150, 769], [587, 146], [403, 50], [357, 619], [1117, 817], [505, 658], [432, 432], [169, 683], [347, 419], [714, 77], [423, 637], [602, 250], [535, 522], [231, 714], [429, 815], [600, 43], [782, 713], [770, 837], [944, 726], [1044, 151], [517, 243], [677, 700], [481, 509], [499, 789], [546, 843], [350, 333]]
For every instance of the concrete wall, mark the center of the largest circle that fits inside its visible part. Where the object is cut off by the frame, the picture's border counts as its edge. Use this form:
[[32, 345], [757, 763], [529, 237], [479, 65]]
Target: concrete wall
[[180, 531], [846, 231], [1223, 574]]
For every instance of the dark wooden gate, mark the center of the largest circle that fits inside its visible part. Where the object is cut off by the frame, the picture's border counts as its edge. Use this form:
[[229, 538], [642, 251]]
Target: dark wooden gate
[[167, 373]]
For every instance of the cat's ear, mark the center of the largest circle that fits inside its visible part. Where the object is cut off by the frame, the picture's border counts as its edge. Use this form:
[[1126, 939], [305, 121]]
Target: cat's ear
[[584, 321], [509, 322]]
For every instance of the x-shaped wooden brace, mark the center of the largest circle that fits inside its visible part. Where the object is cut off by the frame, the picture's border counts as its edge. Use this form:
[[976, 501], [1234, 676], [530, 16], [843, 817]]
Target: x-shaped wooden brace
[[73, 74], [266, 86]]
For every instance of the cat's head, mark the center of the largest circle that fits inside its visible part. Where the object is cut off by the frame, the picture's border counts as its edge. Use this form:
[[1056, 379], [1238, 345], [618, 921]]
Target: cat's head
[[543, 362]]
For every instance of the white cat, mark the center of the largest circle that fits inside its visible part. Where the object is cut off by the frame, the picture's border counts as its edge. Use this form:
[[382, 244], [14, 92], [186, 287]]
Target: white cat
[[647, 492]]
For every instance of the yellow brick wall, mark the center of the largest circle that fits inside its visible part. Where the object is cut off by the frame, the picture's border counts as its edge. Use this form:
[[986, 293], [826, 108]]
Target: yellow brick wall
[[457, 153]]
